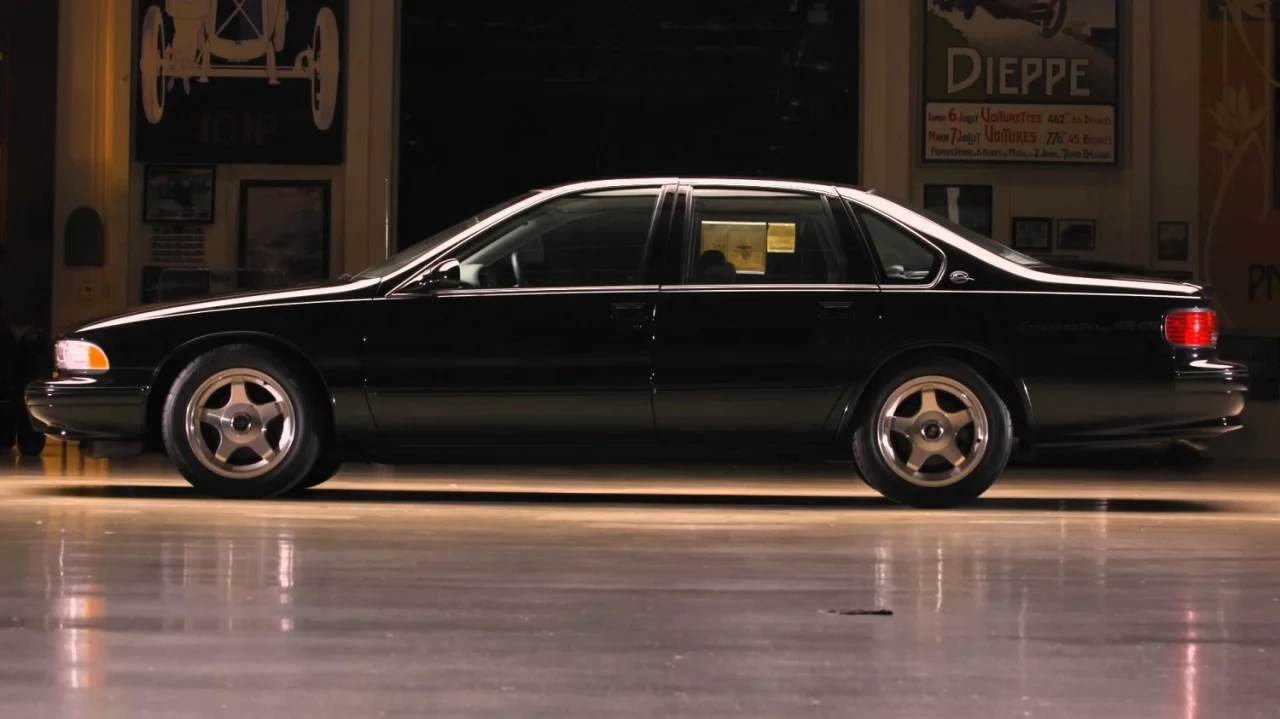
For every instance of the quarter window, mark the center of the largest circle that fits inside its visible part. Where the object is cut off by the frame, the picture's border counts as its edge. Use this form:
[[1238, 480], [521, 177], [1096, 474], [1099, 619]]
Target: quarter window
[[748, 237], [595, 239], [903, 258]]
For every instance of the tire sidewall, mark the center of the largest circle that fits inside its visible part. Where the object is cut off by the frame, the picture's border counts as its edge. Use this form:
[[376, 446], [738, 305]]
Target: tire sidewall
[[876, 470], [302, 454]]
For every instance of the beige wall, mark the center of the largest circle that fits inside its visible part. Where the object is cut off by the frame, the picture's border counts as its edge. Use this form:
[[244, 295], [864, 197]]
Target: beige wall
[[1155, 180], [94, 167]]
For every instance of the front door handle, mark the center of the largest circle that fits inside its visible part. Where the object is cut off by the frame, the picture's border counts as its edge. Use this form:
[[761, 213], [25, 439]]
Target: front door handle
[[835, 310]]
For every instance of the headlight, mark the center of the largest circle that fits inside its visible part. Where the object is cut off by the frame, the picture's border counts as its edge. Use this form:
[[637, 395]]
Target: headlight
[[77, 356]]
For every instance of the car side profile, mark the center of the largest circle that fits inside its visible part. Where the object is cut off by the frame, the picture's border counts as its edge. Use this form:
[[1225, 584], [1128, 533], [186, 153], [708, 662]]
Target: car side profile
[[636, 314]]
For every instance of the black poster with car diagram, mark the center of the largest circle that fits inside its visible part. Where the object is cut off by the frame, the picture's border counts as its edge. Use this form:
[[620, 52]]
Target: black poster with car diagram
[[240, 81]]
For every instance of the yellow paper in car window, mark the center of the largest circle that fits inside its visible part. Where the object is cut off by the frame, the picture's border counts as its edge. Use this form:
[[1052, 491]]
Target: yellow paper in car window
[[743, 243], [782, 237]]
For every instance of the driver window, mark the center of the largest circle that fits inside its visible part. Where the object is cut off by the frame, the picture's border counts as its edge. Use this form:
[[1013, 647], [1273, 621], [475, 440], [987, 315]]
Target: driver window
[[903, 258], [595, 239]]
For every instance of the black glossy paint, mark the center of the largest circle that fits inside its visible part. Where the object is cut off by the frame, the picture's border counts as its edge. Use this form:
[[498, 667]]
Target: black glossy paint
[[409, 369]]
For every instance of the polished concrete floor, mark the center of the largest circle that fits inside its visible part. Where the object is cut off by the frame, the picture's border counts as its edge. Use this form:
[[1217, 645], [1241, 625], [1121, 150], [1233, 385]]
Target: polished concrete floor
[[655, 591]]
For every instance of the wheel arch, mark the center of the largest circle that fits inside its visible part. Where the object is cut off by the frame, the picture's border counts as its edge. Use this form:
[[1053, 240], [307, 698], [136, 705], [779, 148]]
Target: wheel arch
[[1003, 380], [172, 365]]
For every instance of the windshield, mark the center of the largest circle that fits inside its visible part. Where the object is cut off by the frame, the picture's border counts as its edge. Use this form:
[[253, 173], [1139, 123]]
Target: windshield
[[980, 240], [406, 256]]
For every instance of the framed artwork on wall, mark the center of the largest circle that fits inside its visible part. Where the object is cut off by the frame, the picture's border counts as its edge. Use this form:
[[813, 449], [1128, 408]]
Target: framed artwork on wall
[[1076, 235], [177, 194], [284, 232], [1032, 234], [965, 205], [236, 82], [1173, 242]]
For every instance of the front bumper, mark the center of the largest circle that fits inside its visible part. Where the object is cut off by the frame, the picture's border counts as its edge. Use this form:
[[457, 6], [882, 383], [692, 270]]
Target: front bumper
[[83, 408]]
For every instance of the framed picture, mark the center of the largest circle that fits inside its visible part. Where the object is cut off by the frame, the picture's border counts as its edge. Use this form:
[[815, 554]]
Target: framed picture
[[284, 232], [1076, 235], [179, 194], [1173, 241], [1034, 234], [966, 205]]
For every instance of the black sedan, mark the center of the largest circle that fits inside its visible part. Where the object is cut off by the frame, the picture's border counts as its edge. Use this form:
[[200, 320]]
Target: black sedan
[[655, 314]]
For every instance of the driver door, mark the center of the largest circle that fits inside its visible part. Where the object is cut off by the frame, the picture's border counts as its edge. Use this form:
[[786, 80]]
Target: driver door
[[546, 342]]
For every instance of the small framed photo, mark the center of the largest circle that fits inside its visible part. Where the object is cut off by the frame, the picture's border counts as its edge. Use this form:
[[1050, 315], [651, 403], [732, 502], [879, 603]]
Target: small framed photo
[[284, 232], [179, 194], [966, 205], [1034, 234], [1076, 235], [1173, 242]]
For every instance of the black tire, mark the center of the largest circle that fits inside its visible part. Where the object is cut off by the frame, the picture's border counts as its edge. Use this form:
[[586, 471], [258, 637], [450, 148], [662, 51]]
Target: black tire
[[294, 463], [879, 472], [323, 471]]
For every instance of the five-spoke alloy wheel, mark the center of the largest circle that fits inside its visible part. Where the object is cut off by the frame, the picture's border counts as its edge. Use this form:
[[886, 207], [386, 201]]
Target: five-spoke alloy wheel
[[238, 424], [935, 435]]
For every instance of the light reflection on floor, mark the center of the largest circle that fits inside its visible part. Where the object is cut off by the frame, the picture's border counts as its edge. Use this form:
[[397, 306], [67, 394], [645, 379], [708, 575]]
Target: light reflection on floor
[[553, 591]]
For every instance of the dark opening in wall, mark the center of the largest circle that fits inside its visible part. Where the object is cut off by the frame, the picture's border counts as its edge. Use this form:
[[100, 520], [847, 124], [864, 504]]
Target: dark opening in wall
[[499, 99]]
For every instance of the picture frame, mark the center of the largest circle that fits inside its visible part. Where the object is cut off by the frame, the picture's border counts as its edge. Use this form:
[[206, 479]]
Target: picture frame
[[1173, 241], [1076, 235], [284, 232], [179, 194], [966, 205], [1032, 234]]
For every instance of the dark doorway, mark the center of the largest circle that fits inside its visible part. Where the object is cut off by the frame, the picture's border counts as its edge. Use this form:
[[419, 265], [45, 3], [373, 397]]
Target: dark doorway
[[499, 99], [28, 120]]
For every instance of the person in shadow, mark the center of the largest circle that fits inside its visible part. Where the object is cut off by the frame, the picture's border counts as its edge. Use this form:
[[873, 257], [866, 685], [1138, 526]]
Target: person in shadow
[[712, 268]]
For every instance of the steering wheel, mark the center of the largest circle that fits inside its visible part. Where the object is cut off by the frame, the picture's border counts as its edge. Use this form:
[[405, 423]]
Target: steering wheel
[[515, 268]]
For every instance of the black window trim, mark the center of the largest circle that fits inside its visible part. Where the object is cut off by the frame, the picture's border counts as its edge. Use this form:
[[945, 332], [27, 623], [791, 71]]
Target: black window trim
[[684, 237]]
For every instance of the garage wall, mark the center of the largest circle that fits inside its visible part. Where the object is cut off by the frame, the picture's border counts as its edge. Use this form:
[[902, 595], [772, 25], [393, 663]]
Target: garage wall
[[94, 160], [1155, 180]]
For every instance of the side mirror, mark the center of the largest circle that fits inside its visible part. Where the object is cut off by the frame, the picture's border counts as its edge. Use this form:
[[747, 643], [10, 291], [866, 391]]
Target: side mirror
[[445, 276]]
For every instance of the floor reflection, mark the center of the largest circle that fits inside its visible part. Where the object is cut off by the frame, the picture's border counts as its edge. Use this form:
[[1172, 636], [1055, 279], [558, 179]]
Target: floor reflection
[[575, 598]]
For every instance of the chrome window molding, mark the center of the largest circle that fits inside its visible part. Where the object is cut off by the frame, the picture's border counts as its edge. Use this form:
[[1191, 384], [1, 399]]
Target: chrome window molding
[[772, 288], [584, 290]]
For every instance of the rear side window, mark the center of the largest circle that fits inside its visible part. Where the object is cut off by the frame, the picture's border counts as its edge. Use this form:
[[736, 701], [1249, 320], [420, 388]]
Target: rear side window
[[756, 237], [903, 258]]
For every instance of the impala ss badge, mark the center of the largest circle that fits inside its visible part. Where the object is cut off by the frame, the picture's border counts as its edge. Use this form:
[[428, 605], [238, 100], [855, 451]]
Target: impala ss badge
[[960, 277]]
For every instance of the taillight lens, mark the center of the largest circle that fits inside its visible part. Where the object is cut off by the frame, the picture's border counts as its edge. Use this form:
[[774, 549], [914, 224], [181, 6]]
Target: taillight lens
[[1191, 328]]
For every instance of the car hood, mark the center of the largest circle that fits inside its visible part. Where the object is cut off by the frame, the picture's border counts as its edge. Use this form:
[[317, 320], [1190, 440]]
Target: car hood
[[327, 291]]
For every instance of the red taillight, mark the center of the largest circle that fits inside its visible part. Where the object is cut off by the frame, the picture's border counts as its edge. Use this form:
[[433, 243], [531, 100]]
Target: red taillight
[[1191, 328]]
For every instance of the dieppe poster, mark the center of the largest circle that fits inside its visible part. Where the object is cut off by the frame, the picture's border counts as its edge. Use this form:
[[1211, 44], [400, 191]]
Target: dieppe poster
[[1032, 81]]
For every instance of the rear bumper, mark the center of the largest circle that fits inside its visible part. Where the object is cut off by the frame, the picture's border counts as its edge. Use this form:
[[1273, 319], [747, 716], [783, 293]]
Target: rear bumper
[[83, 409], [1208, 401], [1214, 391]]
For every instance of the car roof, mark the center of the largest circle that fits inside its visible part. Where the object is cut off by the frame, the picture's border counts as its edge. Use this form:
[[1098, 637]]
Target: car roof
[[757, 182]]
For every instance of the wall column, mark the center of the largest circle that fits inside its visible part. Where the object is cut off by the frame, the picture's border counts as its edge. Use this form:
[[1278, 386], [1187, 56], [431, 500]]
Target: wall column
[[91, 162], [888, 127], [371, 137]]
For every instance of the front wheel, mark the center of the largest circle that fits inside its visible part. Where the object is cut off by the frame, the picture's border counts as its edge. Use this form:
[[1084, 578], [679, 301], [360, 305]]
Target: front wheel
[[239, 425], [936, 435]]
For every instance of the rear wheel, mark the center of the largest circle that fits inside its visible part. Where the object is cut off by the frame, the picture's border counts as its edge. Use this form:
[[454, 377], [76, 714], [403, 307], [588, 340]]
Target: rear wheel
[[936, 435], [239, 425], [323, 471]]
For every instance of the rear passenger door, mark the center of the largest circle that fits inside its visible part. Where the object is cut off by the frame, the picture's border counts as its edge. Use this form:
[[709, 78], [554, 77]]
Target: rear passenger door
[[769, 319]]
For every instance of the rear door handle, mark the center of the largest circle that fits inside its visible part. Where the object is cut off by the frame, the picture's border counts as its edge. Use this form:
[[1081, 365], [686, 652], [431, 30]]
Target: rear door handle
[[630, 311], [835, 310]]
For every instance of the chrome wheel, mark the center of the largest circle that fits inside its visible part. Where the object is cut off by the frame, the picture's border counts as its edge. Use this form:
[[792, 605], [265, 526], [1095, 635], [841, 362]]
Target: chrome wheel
[[240, 423], [932, 431]]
